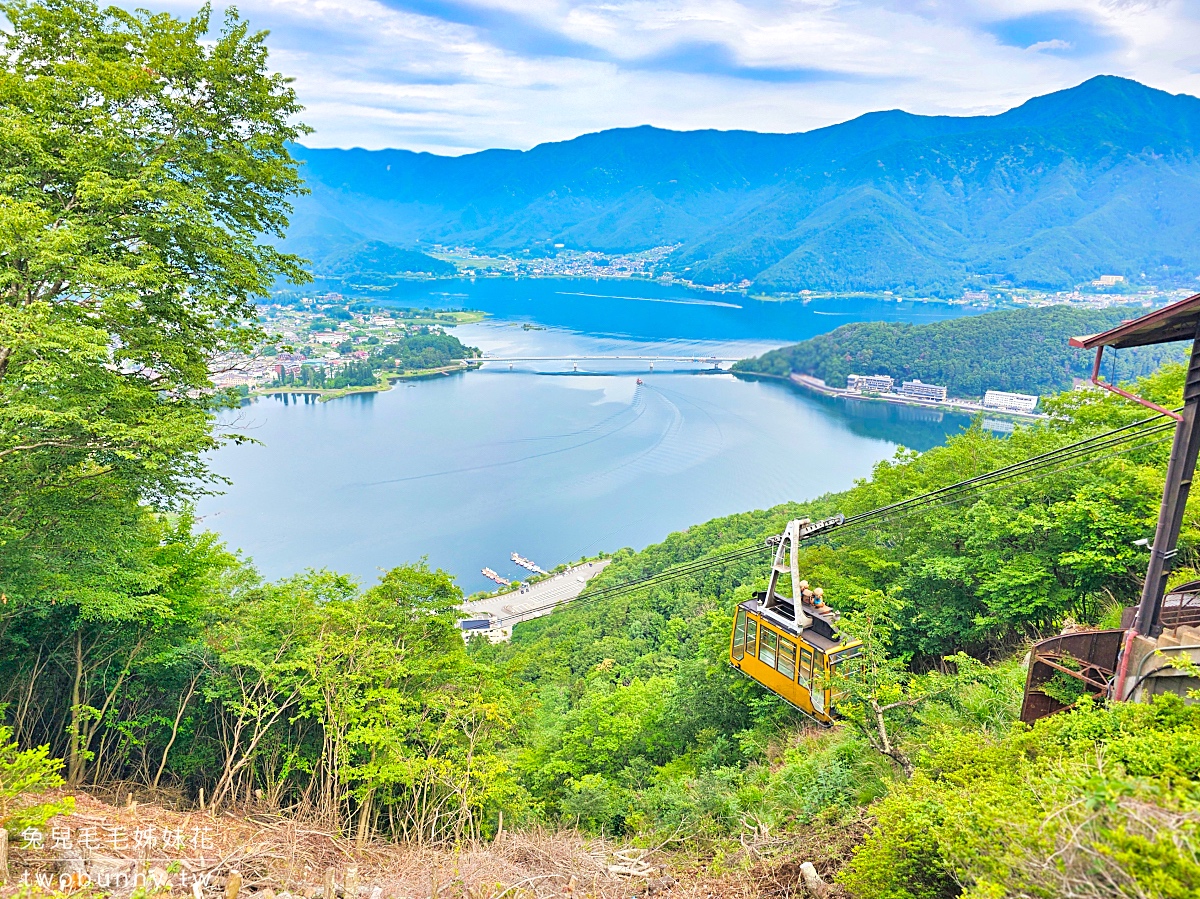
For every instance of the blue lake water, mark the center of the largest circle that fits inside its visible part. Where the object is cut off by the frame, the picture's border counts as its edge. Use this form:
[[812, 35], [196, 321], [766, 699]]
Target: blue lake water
[[549, 462], [649, 310]]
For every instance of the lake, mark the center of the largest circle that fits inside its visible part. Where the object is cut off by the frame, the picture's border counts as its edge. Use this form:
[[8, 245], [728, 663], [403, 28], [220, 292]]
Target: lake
[[546, 461], [649, 310]]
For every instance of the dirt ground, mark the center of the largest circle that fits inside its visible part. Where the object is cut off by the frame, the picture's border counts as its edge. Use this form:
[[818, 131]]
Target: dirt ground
[[105, 849]]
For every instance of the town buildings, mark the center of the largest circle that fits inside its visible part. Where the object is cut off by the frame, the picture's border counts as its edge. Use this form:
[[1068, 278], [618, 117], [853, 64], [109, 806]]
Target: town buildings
[[884, 386], [870, 383], [919, 390], [1009, 402]]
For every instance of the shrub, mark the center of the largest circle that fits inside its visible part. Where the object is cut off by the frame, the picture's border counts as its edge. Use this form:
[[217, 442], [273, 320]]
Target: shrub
[[25, 775], [1095, 802]]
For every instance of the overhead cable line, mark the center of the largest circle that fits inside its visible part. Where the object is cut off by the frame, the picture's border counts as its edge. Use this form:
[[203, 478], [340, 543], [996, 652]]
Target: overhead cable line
[[1046, 468], [1049, 457], [997, 485], [1132, 436]]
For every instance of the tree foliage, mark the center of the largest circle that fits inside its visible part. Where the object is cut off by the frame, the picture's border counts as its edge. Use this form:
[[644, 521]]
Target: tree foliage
[[1099, 802], [970, 355], [423, 348], [142, 160], [25, 776]]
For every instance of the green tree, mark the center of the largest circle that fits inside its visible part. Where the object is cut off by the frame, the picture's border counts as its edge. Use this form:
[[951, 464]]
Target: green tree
[[24, 776], [260, 667], [142, 162], [878, 695], [967, 355], [411, 727], [1095, 802]]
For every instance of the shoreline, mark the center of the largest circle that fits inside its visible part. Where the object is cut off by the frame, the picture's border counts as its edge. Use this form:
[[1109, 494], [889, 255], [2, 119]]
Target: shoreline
[[385, 384], [1004, 298], [816, 385]]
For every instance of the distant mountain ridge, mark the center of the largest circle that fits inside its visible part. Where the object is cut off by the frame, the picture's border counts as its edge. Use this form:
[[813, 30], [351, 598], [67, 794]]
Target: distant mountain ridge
[[1103, 178]]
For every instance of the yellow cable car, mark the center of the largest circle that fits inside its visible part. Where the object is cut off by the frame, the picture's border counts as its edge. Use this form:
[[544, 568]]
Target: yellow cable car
[[788, 644]]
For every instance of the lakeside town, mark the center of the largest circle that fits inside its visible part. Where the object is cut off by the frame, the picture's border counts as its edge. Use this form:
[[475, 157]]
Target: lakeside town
[[558, 261], [316, 343], [916, 392]]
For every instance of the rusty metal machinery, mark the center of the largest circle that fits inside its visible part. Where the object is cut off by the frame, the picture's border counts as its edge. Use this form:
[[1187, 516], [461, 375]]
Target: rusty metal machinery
[[1066, 667], [1097, 663]]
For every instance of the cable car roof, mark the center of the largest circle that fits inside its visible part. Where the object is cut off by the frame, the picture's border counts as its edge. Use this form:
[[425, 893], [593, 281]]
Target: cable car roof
[[1176, 321], [810, 636]]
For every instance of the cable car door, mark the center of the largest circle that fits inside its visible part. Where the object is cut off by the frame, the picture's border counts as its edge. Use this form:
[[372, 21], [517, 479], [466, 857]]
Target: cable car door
[[739, 635], [819, 683]]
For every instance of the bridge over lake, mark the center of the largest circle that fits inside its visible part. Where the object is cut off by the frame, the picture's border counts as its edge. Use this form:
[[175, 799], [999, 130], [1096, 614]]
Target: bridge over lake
[[703, 360]]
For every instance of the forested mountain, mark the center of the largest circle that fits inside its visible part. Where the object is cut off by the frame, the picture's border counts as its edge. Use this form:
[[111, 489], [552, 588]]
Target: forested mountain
[[1022, 350], [1098, 179], [372, 261]]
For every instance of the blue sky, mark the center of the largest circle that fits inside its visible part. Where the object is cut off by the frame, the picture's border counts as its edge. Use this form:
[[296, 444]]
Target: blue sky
[[451, 76]]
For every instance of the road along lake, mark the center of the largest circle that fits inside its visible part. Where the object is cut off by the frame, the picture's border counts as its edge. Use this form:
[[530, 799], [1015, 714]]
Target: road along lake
[[545, 460]]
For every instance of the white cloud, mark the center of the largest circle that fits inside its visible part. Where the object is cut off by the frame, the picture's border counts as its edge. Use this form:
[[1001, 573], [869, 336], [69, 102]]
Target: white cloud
[[1054, 44], [456, 75]]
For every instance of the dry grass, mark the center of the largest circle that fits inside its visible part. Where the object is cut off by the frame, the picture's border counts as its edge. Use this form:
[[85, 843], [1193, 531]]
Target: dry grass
[[116, 847], [115, 843]]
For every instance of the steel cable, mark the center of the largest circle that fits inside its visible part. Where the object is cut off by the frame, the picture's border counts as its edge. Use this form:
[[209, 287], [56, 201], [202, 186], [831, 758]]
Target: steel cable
[[1048, 463]]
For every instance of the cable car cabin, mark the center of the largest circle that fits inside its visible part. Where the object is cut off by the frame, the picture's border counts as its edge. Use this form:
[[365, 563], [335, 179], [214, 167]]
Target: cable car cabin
[[793, 649], [797, 664]]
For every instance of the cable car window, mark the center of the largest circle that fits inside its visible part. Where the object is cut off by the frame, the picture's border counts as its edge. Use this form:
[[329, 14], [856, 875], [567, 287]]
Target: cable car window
[[751, 634], [847, 664], [766, 649], [804, 674], [786, 663], [739, 635]]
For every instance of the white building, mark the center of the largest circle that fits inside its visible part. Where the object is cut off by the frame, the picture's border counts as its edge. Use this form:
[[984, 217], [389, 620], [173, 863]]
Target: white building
[[870, 383], [1108, 280], [919, 390], [489, 627], [1009, 402]]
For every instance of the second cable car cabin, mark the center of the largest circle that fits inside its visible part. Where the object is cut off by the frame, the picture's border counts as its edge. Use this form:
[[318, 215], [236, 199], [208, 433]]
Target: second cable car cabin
[[790, 645]]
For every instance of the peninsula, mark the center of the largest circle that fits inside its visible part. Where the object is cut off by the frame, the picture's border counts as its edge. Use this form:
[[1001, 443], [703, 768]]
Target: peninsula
[[328, 348]]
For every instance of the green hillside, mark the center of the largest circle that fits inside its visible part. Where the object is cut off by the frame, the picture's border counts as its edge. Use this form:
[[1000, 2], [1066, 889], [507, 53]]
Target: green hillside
[[364, 263], [638, 724], [1021, 350], [1098, 179]]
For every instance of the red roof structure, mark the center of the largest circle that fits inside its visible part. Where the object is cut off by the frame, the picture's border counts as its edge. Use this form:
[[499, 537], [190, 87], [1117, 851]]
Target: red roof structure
[[1176, 321]]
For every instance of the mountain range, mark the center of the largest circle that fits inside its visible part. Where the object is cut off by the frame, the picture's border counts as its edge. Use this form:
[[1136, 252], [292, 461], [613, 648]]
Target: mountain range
[[1102, 178]]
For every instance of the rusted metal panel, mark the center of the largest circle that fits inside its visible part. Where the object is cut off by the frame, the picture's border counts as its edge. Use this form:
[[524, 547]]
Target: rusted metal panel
[[1181, 606], [1085, 660]]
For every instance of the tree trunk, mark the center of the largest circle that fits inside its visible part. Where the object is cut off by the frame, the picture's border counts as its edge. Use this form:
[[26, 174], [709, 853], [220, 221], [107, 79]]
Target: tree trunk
[[175, 730], [363, 829], [885, 743], [75, 750]]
